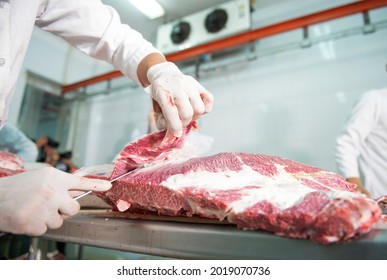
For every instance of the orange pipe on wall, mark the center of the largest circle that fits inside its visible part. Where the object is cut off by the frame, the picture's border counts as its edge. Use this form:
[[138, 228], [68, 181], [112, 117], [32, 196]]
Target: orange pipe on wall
[[249, 36]]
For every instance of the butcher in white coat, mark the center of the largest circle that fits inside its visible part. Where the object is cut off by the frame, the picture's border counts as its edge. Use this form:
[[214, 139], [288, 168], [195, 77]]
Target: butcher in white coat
[[361, 151]]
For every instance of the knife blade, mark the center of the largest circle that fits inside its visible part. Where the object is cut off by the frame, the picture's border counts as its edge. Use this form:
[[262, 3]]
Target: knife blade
[[113, 180]]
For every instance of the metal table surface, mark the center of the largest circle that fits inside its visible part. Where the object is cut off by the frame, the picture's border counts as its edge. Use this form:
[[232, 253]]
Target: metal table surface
[[201, 240]]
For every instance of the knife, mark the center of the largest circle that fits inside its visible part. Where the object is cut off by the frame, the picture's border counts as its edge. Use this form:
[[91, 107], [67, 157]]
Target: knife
[[113, 180]]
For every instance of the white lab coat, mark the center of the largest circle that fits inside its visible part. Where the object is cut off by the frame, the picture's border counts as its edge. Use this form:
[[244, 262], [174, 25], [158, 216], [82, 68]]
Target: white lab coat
[[361, 149], [14, 141], [89, 25]]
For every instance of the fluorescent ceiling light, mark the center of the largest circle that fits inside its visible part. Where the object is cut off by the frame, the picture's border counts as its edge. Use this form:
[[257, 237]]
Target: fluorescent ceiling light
[[151, 8]]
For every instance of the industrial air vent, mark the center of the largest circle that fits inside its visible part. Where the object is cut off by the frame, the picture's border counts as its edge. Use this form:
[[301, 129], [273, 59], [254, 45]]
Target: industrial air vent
[[204, 26], [180, 32], [216, 20]]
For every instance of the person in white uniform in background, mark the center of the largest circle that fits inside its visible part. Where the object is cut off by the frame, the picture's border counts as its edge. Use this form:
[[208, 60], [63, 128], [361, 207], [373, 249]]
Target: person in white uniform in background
[[14, 141], [33, 201], [361, 151]]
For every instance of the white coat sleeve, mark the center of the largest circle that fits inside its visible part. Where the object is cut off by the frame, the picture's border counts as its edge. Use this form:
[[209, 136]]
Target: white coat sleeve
[[16, 142], [96, 29], [360, 123]]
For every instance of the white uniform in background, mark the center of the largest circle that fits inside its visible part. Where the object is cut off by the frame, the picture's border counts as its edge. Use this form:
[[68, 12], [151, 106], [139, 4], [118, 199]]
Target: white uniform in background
[[14, 141], [362, 147], [102, 37]]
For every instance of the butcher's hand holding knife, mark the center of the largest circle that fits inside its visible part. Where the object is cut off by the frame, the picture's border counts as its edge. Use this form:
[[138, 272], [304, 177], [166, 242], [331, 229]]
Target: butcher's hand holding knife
[[33, 201]]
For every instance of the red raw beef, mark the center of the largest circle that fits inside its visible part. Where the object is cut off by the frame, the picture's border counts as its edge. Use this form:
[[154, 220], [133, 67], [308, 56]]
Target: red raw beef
[[153, 147], [251, 191], [4, 172], [10, 164], [10, 161]]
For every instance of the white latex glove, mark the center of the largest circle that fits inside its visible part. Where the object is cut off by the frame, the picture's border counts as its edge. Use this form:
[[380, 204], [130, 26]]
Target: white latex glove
[[32, 201], [178, 99]]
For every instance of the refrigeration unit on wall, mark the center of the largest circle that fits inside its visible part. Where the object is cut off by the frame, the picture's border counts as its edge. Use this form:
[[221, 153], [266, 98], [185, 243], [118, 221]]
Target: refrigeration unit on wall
[[205, 26]]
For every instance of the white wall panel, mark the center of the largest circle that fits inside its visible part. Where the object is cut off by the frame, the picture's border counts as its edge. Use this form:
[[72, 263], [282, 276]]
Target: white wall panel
[[294, 103], [113, 121]]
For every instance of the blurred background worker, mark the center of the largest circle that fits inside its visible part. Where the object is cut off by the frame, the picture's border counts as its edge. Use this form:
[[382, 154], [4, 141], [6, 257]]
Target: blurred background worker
[[48, 152], [361, 151], [65, 162], [14, 141]]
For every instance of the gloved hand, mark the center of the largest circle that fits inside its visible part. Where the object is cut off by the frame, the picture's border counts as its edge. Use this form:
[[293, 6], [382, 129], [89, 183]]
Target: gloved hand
[[32, 201], [178, 99]]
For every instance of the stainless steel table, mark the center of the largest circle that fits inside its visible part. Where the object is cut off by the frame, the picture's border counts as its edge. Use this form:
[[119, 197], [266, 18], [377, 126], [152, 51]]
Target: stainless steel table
[[201, 240]]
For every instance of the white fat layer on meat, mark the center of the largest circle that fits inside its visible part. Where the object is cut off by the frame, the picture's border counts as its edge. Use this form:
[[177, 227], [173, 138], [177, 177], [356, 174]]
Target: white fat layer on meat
[[157, 164], [331, 239], [122, 205], [284, 189], [10, 165]]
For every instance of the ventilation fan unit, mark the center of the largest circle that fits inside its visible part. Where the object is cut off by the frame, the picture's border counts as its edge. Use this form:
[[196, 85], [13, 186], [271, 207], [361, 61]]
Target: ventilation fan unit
[[205, 26]]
